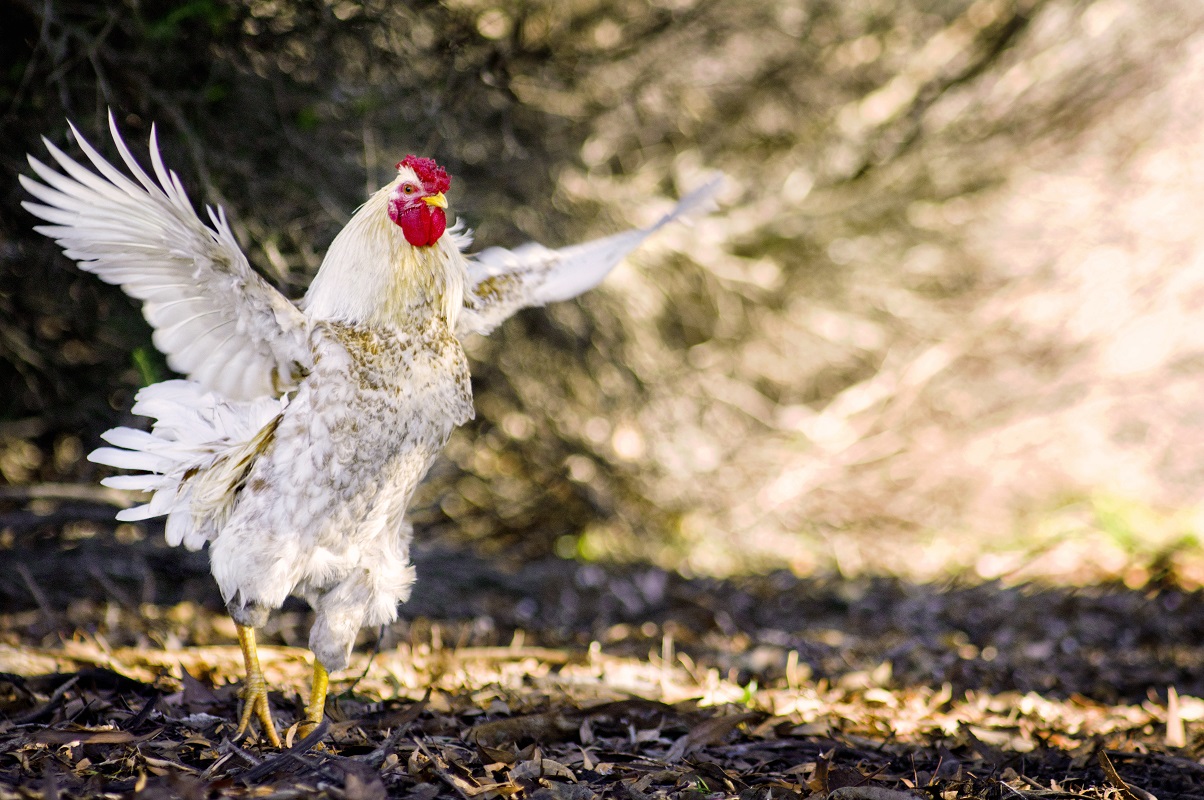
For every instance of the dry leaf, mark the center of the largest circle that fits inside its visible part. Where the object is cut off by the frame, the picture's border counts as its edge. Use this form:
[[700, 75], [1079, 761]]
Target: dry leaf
[[60, 737], [563, 791], [1125, 791], [1176, 733], [872, 793], [363, 784], [552, 726], [543, 768], [707, 732]]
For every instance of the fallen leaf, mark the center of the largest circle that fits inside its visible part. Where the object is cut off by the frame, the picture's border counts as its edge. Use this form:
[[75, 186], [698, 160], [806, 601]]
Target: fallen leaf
[[708, 732], [59, 737], [563, 791], [551, 726], [363, 784], [543, 768], [872, 793], [1176, 734], [1125, 791]]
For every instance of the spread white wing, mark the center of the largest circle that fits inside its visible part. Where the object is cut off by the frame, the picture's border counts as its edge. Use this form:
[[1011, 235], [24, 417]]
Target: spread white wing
[[501, 282], [216, 320]]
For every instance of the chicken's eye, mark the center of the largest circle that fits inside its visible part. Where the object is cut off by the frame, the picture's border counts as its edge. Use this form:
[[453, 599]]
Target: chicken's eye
[[409, 188]]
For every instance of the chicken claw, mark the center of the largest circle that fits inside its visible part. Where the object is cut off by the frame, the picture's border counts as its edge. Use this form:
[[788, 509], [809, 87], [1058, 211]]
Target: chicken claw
[[255, 691]]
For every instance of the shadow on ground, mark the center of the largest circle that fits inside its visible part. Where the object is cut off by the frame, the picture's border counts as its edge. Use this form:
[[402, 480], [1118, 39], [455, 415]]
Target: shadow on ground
[[1107, 642]]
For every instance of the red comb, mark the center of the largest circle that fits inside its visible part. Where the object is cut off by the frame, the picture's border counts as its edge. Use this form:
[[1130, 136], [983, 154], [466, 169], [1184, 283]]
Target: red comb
[[434, 177]]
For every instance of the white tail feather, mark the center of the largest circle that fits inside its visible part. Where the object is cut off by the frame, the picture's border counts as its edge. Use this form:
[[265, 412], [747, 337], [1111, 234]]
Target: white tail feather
[[129, 459], [194, 432], [146, 482], [129, 439], [137, 514]]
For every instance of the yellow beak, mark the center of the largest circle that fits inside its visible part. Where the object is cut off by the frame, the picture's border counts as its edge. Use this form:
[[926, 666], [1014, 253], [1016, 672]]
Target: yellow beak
[[437, 200]]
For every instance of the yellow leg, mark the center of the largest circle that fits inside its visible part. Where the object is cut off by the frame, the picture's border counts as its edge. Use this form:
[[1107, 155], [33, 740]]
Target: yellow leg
[[316, 709], [255, 690]]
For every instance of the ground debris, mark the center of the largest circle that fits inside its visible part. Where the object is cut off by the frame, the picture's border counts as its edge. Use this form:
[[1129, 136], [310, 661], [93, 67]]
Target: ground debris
[[792, 689], [123, 737]]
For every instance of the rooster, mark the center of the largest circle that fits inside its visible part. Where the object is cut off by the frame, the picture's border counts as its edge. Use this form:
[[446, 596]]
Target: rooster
[[296, 441]]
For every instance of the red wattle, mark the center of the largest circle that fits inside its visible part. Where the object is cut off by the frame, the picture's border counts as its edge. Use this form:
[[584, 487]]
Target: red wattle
[[421, 224]]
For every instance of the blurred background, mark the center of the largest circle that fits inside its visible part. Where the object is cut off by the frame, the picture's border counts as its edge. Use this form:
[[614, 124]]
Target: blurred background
[[947, 322]]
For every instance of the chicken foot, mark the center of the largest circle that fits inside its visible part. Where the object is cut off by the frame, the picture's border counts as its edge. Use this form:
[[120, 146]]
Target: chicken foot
[[255, 690], [316, 709]]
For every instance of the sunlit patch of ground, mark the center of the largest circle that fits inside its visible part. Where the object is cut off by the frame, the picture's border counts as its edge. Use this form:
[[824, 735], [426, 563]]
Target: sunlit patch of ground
[[1075, 542], [506, 721]]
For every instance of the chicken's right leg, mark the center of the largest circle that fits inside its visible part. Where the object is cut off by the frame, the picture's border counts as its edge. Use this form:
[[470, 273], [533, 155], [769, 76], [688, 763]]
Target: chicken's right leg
[[255, 690], [315, 712]]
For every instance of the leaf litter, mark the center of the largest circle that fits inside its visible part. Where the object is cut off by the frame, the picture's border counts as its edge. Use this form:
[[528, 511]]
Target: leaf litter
[[533, 681]]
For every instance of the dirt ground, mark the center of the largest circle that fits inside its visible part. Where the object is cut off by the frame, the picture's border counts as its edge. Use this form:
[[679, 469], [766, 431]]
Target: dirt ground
[[559, 679]]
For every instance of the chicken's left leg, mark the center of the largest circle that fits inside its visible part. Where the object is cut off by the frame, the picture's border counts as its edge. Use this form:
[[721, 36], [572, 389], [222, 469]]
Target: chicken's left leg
[[316, 710], [255, 690]]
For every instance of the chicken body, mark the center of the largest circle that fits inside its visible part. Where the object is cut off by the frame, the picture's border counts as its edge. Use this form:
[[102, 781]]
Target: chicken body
[[320, 513], [294, 447]]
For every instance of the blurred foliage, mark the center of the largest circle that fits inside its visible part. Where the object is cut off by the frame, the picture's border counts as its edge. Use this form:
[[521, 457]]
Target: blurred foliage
[[738, 397]]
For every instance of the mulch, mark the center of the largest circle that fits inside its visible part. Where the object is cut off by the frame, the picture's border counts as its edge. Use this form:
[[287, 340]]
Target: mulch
[[555, 679]]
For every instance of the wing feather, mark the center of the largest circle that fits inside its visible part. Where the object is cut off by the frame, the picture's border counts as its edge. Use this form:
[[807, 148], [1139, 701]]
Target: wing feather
[[215, 319], [501, 282]]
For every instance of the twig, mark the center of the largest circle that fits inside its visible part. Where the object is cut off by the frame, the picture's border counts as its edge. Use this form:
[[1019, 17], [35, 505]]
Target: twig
[[39, 596], [50, 705], [83, 492], [143, 713], [25, 520], [1126, 791], [294, 753], [405, 720], [243, 754], [380, 635], [212, 769], [112, 589], [461, 785]]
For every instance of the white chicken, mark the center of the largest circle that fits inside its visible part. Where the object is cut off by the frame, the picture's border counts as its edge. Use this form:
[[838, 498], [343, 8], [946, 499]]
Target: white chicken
[[296, 442]]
